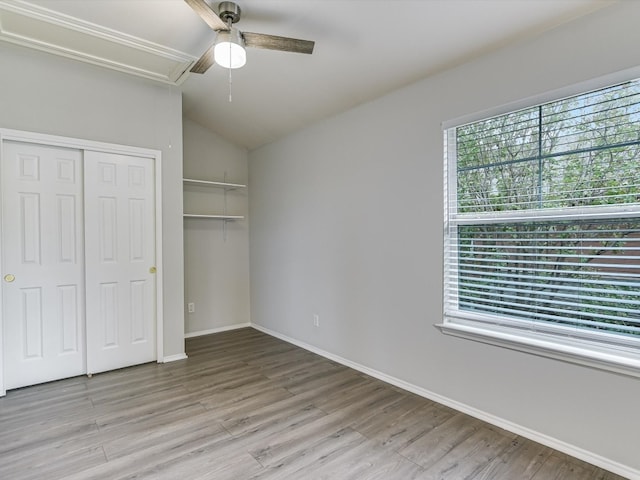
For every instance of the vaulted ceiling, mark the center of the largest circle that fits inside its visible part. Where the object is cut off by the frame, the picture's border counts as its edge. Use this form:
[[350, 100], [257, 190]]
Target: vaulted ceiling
[[364, 49]]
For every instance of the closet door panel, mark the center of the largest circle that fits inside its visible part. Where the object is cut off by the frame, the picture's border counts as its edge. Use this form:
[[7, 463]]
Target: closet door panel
[[42, 263], [120, 254]]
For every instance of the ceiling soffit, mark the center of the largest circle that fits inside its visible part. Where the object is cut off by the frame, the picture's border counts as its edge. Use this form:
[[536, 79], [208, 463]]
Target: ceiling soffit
[[36, 27]]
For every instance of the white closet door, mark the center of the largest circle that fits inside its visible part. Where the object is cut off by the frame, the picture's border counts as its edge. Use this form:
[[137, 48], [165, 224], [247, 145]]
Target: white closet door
[[120, 260], [42, 260]]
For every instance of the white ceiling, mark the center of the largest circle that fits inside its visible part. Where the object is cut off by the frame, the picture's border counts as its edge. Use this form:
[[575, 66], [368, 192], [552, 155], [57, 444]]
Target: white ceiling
[[364, 49]]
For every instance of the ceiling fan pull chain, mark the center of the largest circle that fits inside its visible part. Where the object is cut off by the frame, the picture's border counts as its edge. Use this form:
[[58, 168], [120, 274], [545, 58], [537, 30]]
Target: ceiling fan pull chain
[[230, 79], [229, 23]]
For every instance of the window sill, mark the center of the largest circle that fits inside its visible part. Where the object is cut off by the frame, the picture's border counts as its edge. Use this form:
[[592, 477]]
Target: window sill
[[581, 352]]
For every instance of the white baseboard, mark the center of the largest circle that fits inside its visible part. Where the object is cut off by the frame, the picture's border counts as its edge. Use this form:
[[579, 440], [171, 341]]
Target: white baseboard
[[217, 330], [174, 358], [551, 442]]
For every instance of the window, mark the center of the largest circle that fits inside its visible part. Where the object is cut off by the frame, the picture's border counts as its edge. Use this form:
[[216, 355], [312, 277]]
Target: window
[[542, 229]]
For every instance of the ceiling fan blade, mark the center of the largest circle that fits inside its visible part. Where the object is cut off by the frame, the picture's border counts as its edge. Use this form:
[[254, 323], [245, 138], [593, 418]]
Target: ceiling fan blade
[[272, 42], [203, 9], [204, 62]]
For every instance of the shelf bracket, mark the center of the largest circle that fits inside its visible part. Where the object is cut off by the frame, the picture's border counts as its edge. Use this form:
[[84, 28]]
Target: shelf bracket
[[224, 222]]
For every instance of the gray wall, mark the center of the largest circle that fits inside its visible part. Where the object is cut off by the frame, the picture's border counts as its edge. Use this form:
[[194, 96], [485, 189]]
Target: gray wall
[[346, 223], [216, 270], [47, 94]]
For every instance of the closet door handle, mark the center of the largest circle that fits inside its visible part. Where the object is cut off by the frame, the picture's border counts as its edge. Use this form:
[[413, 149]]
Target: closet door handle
[[152, 270], [9, 277]]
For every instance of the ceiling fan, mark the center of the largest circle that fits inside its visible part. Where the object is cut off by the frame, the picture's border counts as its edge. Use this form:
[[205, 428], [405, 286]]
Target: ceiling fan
[[228, 50]]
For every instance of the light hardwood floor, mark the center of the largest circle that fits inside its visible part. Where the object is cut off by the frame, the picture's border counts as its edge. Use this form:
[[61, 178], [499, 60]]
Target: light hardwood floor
[[248, 406]]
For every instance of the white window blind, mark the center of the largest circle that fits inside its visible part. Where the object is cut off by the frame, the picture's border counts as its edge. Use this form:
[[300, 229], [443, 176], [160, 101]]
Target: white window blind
[[542, 222]]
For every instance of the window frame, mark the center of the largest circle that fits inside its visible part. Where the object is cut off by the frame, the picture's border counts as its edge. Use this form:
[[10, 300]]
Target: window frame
[[599, 350]]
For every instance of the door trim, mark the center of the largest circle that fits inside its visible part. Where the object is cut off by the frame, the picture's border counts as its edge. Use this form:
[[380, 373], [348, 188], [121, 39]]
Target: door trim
[[82, 144]]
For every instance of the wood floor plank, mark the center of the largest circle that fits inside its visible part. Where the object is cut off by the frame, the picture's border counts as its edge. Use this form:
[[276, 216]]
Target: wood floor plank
[[404, 431], [440, 440], [269, 430], [136, 393], [378, 420], [154, 405], [122, 442], [223, 451], [232, 407], [561, 467], [244, 406], [364, 460], [521, 460], [367, 394], [41, 396], [26, 445], [54, 467], [73, 449], [303, 462], [468, 458], [242, 422], [178, 413], [129, 466], [46, 417], [299, 442], [233, 468]]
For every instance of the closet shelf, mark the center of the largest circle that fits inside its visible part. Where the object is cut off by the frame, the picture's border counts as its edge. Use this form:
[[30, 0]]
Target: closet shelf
[[215, 217], [223, 216], [208, 183]]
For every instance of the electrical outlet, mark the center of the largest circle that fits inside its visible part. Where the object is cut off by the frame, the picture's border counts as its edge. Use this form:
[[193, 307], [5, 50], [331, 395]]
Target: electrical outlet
[[316, 320], [191, 307]]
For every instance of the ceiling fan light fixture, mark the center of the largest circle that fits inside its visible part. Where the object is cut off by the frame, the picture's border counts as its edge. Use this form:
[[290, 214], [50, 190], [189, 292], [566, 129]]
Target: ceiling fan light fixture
[[229, 50]]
